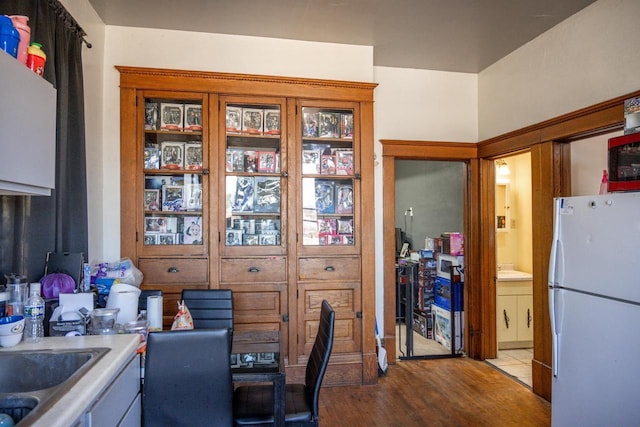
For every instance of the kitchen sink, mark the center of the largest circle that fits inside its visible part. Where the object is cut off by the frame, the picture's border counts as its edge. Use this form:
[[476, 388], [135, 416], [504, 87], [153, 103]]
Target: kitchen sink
[[31, 381]]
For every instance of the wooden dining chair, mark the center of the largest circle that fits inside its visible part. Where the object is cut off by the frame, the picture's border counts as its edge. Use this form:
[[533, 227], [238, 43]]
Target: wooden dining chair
[[187, 379], [253, 405]]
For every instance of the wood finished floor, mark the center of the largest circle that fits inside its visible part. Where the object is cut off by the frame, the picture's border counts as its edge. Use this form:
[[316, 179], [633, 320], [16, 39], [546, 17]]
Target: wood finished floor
[[446, 392]]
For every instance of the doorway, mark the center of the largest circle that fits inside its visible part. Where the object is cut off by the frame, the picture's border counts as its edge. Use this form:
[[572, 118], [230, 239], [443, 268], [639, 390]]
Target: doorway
[[514, 267], [429, 203]]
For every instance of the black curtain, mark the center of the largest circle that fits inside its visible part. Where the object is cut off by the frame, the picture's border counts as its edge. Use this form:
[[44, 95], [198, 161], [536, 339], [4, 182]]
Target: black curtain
[[31, 226]]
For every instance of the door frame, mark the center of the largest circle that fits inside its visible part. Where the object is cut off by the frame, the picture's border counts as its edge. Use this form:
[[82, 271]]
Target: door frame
[[393, 150]]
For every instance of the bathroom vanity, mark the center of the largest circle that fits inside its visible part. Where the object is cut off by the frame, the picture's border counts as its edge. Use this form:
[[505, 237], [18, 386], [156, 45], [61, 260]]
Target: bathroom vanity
[[514, 305]]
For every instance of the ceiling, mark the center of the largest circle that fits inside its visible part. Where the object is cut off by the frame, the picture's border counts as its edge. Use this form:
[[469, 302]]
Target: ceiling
[[446, 35]]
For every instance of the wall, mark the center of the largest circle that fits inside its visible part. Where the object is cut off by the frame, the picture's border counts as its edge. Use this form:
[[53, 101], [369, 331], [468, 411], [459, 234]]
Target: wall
[[588, 58], [435, 192], [421, 105]]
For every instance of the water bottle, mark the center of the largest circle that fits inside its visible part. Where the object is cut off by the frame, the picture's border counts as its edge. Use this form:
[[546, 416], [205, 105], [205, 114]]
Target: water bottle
[[34, 315]]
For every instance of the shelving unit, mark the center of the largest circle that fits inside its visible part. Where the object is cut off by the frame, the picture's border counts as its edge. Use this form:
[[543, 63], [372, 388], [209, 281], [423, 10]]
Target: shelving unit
[[282, 237]]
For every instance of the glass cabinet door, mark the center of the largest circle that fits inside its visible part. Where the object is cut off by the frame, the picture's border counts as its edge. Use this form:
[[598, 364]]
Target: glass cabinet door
[[174, 165], [327, 162], [254, 185]]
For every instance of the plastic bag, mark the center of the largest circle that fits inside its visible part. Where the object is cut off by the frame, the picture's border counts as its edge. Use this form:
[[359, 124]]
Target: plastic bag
[[123, 270], [183, 319]]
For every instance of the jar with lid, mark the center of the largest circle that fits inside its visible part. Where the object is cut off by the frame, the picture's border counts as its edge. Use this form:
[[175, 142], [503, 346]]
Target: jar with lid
[[36, 58]]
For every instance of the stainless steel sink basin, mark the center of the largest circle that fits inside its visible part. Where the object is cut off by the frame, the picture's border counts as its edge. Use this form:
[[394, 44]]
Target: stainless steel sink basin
[[31, 381]]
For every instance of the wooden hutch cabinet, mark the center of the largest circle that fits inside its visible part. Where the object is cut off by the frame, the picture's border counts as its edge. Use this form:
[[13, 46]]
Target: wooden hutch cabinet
[[258, 184]]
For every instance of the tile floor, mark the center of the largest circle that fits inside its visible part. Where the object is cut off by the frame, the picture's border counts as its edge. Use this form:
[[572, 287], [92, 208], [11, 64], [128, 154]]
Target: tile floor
[[516, 363]]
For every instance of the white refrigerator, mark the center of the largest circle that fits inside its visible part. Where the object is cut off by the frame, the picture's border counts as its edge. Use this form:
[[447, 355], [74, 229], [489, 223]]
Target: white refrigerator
[[594, 302]]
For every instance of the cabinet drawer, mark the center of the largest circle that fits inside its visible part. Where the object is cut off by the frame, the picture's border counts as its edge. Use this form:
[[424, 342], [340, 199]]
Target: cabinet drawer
[[174, 270], [240, 270], [343, 268]]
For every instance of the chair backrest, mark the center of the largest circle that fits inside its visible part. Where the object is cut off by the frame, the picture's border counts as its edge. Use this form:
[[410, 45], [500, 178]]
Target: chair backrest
[[319, 357], [142, 299], [187, 379], [210, 308]]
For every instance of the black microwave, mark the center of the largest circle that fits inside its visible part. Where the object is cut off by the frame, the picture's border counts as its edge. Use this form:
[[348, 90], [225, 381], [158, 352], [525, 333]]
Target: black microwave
[[624, 163]]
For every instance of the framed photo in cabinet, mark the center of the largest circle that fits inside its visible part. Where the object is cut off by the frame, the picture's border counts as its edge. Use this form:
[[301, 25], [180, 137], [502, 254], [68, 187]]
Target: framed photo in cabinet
[[250, 239], [267, 161], [151, 116], [325, 197], [192, 117], [242, 198], [193, 197], [328, 164], [346, 126], [310, 162], [150, 239], [344, 197], [252, 120], [151, 156], [193, 156], [329, 126], [152, 224], [151, 200], [167, 239], [171, 116], [267, 194], [172, 155], [309, 123], [344, 162], [272, 122], [172, 198], [234, 237], [192, 234], [234, 119], [250, 161]]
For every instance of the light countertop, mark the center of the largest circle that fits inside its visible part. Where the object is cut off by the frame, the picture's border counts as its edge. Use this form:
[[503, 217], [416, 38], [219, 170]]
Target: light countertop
[[81, 396]]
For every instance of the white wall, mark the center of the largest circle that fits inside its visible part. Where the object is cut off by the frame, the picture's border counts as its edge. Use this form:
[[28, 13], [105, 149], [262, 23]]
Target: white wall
[[419, 105], [590, 57]]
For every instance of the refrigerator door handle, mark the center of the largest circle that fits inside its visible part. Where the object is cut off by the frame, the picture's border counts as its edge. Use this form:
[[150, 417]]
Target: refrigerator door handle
[[554, 330]]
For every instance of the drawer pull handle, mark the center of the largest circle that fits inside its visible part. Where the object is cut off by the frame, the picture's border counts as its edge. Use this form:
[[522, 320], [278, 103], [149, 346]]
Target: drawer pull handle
[[173, 270], [253, 270], [329, 268]]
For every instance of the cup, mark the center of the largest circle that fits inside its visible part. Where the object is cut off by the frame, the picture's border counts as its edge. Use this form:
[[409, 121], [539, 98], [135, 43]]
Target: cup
[[18, 295]]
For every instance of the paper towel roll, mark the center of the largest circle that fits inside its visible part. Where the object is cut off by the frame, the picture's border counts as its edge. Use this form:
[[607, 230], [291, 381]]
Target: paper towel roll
[[124, 297], [154, 312]]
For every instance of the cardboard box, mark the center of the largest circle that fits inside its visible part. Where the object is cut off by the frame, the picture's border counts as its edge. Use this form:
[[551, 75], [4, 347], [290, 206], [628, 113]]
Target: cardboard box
[[442, 327], [443, 292]]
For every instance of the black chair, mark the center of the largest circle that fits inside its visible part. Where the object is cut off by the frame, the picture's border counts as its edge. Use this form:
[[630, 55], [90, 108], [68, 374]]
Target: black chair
[[187, 379], [210, 308], [253, 405], [142, 299]]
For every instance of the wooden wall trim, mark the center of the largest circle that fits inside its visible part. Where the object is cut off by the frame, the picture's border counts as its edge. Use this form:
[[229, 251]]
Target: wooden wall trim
[[434, 150], [244, 84]]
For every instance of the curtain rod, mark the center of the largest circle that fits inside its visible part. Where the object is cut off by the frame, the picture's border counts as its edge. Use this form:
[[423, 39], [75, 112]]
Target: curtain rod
[[69, 21]]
